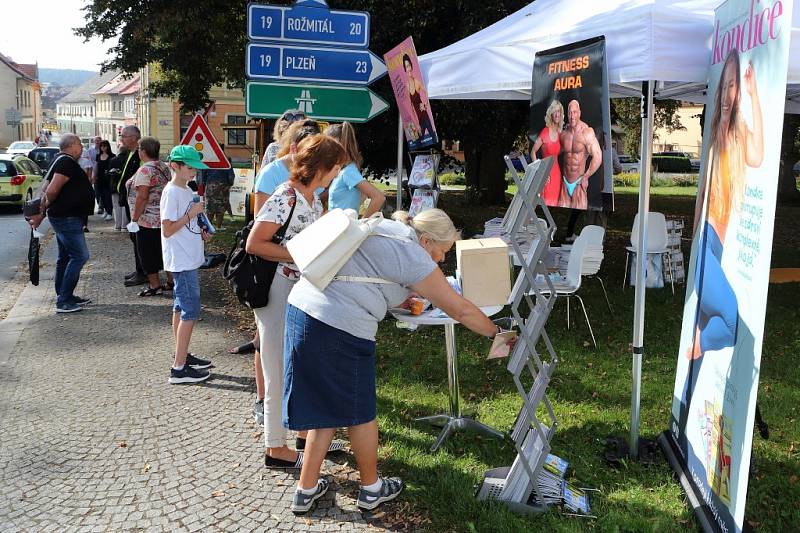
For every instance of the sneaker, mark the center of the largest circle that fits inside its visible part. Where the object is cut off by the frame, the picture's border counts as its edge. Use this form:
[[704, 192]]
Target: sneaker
[[86, 229], [196, 362], [187, 375], [68, 308], [301, 503], [258, 412], [108, 218], [391, 489], [81, 301]]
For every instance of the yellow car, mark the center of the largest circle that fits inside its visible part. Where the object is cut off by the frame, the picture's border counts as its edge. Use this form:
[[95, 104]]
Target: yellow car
[[20, 179]]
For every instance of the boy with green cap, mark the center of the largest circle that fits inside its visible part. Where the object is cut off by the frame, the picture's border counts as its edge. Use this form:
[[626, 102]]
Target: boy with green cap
[[183, 251]]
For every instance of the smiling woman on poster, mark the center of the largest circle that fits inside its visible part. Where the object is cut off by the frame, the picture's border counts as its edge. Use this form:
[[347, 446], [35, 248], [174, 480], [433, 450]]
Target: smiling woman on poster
[[416, 93], [733, 148], [549, 140]]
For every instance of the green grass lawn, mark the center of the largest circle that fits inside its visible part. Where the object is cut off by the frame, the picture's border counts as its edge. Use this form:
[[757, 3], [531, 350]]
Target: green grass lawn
[[590, 392]]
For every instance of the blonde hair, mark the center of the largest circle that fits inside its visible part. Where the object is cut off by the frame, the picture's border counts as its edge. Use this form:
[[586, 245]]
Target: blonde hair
[[432, 222], [554, 106], [346, 135]]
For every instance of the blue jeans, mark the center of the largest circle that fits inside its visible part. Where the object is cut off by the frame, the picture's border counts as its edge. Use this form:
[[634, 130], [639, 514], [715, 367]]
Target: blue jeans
[[72, 255]]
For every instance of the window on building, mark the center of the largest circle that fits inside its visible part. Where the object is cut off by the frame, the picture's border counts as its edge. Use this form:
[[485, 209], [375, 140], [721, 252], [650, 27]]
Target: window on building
[[237, 137], [185, 120]]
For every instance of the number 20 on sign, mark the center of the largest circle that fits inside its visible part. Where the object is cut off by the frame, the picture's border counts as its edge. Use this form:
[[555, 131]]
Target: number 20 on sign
[[308, 25]]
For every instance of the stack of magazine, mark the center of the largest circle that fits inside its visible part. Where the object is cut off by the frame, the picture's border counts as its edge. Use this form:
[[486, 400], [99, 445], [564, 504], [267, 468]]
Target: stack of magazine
[[555, 489]]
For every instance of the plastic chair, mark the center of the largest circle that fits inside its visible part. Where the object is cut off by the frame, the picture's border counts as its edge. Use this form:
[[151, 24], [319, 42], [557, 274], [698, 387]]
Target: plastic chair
[[569, 286], [655, 243], [594, 236]]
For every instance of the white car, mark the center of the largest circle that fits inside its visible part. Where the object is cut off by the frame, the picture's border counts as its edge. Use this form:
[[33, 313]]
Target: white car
[[629, 164], [20, 147]]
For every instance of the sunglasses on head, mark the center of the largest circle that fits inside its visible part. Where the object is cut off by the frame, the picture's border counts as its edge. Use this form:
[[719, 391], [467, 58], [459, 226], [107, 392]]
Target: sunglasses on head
[[291, 117]]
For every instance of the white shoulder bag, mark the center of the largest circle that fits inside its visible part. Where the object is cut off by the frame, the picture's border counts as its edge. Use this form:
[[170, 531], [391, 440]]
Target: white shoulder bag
[[322, 249]]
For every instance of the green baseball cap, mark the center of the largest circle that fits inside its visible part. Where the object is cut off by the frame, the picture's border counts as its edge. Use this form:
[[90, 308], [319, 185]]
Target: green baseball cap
[[187, 155]]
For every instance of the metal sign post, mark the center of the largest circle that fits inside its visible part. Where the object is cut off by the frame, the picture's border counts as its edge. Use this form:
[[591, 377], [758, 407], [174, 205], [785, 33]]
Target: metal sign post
[[282, 53]]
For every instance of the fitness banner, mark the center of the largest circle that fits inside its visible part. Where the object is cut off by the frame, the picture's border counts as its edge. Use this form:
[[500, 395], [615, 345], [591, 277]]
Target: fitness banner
[[411, 95], [570, 121], [714, 402]]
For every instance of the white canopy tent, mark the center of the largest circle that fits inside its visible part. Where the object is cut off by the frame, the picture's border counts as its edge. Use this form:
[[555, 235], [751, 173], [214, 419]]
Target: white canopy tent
[[664, 40], [658, 48]]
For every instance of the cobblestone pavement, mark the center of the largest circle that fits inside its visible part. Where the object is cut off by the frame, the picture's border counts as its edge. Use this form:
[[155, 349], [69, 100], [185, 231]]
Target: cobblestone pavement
[[93, 438]]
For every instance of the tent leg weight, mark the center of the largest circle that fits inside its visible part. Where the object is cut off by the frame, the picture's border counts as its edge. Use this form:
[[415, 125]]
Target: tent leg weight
[[617, 451]]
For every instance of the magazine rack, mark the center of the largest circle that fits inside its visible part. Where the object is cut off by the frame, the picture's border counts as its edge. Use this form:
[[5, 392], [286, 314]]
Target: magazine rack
[[428, 191], [521, 486]]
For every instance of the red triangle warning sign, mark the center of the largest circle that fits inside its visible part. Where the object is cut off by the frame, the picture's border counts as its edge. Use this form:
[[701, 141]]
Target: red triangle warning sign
[[200, 137]]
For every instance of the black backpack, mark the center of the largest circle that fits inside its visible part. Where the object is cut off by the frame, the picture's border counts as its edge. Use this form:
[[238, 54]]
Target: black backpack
[[250, 276]]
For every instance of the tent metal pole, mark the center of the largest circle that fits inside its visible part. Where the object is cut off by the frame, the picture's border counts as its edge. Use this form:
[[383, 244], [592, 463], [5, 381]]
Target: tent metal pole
[[399, 161], [641, 260]]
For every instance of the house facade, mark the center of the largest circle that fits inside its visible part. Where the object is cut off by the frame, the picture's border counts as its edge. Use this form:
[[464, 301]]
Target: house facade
[[20, 101], [77, 112]]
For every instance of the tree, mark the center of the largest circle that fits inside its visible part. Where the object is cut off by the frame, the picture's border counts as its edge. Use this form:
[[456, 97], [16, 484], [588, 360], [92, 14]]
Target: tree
[[201, 43], [627, 112], [790, 153]]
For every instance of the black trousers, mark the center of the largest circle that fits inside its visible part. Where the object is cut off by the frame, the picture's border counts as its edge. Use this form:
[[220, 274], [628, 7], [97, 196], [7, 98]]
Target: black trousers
[[139, 268]]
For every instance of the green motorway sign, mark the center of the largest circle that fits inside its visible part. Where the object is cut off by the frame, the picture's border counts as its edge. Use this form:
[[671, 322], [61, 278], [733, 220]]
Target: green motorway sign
[[322, 102]]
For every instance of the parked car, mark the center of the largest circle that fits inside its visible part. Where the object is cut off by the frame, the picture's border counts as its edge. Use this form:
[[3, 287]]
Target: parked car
[[44, 156], [693, 158], [629, 164], [20, 147], [20, 178]]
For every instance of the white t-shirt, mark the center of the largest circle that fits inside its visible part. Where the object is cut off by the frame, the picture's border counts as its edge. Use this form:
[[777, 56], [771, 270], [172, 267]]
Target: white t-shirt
[[184, 249]]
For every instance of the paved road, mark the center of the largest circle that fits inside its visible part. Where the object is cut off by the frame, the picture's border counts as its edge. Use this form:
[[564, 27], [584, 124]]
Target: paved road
[[14, 236], [94, 438]]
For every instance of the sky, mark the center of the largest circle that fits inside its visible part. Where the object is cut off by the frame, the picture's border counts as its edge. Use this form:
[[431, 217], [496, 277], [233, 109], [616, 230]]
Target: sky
[[41, 30]]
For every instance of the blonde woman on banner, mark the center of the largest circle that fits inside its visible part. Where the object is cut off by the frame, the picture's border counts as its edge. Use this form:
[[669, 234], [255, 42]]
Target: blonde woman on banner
[[734, 147]]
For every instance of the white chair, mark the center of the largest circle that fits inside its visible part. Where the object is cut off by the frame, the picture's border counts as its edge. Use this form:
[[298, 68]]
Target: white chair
[[655, 243], [594, 236], [572, 282]]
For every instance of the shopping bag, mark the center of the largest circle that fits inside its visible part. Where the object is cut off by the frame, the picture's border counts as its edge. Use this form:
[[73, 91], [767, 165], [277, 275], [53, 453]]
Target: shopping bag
[[322, 249]]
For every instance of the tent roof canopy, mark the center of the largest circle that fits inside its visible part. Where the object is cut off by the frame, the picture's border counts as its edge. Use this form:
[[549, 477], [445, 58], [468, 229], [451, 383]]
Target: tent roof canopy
[[664, 40]]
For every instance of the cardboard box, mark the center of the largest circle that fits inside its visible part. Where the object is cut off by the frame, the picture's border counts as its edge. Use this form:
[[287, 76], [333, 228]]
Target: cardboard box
[[484, 268]]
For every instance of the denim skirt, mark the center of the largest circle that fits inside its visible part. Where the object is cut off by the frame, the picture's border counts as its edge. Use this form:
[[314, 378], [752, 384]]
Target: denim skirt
[[329, 377]]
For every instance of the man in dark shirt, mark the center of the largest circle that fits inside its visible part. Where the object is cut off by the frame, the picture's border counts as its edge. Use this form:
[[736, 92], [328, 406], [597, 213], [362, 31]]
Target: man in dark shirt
[[127, 162], [67, 199]]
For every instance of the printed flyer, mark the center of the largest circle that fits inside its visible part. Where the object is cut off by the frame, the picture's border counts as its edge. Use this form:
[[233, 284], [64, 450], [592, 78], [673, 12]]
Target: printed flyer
[[411, 95], [570, 121], [714, 401]]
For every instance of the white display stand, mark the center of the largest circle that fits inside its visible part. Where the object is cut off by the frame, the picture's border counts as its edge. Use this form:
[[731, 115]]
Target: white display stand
[[517, 485]]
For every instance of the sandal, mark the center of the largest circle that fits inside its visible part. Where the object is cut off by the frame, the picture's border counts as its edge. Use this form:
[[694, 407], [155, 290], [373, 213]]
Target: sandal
[[247, 347], [151, 291]]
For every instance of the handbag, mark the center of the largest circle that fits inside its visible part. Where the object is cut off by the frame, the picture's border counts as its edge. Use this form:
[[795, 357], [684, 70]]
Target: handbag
[[322, 249], [251, 276]]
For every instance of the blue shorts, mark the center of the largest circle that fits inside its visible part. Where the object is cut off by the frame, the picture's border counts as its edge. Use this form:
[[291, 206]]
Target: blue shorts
[[187, 294]]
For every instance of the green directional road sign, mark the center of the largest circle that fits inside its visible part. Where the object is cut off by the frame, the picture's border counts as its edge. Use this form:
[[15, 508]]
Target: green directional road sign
[[323, 102]]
